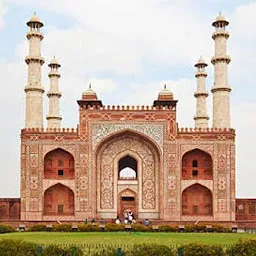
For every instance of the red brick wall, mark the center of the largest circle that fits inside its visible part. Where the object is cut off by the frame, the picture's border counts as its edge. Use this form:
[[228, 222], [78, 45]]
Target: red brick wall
[[9, 208], [245, 209]]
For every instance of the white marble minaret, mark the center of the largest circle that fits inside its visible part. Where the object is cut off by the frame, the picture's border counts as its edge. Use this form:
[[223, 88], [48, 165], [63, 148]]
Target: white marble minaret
[[34, 90], [221, 89], [53, 117], [201, 118]]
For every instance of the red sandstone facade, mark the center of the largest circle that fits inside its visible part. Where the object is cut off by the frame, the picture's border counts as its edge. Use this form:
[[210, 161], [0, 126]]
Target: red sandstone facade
[[175, 174], [180, 174]]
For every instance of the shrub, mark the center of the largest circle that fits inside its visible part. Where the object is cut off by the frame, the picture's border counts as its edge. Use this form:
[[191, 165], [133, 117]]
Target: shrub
[[202, 250], [167, 228], [88, 228], [37, 228], [141, 228], [58, 250], [151, 250], [9, 247], [107, 252], [114, 227], [62, 228], [243, 247], [6, 229]]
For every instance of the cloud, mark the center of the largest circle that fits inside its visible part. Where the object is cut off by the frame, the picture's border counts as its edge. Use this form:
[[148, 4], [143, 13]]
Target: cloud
[[3, 10], [108, 42]]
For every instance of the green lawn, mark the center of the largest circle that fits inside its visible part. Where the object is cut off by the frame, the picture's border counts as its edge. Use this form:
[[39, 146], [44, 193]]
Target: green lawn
[[122, 238]]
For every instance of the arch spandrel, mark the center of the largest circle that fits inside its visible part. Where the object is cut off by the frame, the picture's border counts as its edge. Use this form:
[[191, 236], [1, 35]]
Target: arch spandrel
[[48, 148], [103, 131], [206, 148]]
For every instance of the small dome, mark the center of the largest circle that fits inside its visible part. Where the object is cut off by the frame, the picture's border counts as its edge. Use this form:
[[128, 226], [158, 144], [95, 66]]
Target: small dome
[[89, 94], [54, 62], [220, 19], [34, 19], [201, 63], [165, 94]]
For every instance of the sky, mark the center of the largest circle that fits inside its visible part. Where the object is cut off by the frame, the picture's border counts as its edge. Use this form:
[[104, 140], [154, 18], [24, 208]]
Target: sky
[[127, 50]]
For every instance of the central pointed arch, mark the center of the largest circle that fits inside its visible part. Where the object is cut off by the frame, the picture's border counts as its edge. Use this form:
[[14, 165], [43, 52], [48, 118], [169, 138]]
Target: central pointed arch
[[128, 149]]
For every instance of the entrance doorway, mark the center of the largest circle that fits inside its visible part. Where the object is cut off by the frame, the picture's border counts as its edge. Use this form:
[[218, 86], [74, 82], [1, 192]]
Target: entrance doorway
[[127, 203]]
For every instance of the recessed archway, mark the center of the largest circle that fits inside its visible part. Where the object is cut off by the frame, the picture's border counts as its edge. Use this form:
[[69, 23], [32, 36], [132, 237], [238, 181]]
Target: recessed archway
[[127, 168], [197, 164], [135, 151], [58, 200], [58, 164], [197, 200]]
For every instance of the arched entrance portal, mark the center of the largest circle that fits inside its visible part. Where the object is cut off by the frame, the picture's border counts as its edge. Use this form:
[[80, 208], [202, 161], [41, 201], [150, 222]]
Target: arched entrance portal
[[197, 200], [114, 155], [127, 203], [58, 200]]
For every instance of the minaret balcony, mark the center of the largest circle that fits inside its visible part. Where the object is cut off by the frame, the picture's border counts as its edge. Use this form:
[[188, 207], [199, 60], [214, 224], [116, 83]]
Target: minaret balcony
[[50, 117], [54, 93], [200, 73], [31, 88], [220, 33], [198, 94], [221, 58], [35, 33], [221, 89], [30, 59]]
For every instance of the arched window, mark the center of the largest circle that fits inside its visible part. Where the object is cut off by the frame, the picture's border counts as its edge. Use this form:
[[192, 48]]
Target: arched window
[[197, 164], [58, 164], [196, 200], [59, 200], [127, 168]]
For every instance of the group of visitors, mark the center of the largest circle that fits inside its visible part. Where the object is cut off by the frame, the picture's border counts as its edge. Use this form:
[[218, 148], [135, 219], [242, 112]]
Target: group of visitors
[[128, 218]]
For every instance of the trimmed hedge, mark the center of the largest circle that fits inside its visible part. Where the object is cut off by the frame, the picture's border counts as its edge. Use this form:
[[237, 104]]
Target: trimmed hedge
[[243, 248], [202, 250], [110, 227], [10, 247], [62, 228], [37, 228], [88, 228], [57, 250], [6, 229], [151, 250]]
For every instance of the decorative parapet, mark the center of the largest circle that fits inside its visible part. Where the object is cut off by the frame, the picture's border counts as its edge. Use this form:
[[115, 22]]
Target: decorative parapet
[[128, 108], [206, 130], [49, 130]]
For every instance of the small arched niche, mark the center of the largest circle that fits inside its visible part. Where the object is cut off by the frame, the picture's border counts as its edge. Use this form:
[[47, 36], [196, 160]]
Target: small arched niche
[[197, 164], [197, 200], [127, 168], [59, 164], [58, 201]]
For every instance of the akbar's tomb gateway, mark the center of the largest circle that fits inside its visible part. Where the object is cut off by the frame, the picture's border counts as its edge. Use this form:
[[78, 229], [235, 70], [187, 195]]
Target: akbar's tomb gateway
[[128, 157]]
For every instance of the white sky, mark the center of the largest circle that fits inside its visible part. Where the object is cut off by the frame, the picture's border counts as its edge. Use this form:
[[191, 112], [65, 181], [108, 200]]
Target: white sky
[[127, 50]]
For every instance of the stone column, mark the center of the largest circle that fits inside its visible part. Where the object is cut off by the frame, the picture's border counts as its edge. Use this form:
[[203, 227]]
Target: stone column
[[201, 118], [221, 89], [34, 90], [53, 117]]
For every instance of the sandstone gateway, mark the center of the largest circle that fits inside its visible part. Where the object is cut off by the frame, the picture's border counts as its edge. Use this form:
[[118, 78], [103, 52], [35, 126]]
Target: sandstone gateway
[[175, 174]]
